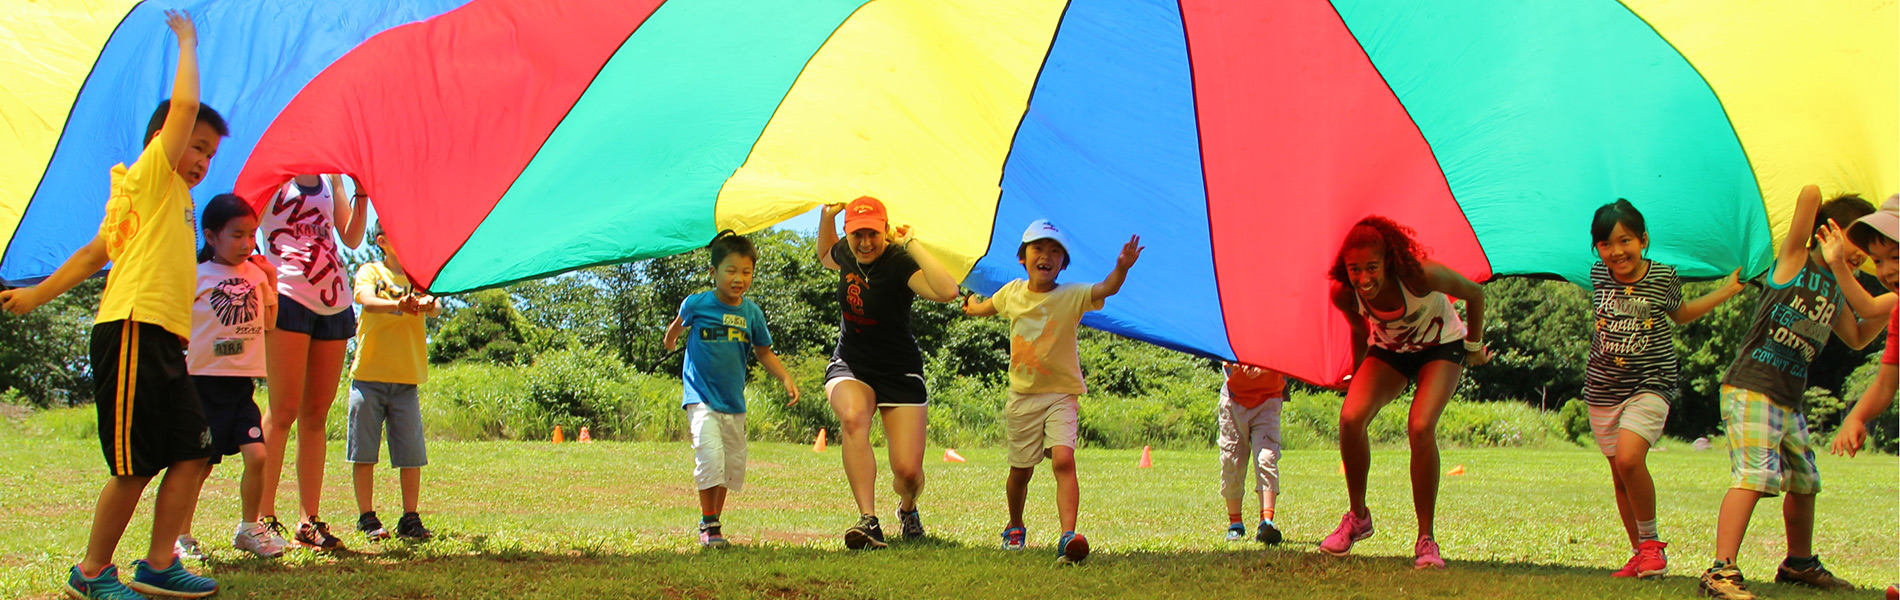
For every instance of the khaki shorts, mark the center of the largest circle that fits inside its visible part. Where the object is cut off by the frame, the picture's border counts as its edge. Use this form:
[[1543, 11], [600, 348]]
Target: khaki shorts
[[1642, 414], [718, 448], [1037, 422]]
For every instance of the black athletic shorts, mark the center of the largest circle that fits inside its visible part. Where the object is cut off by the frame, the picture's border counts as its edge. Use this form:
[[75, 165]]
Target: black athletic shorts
[[891, 389], [1410, 363], [231, 413], [293, 316], [149, 414]]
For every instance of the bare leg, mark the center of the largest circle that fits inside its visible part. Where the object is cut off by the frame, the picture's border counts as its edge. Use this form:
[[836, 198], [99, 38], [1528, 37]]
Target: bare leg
[[177, 497], [1731, 525], [1798, 511], [326, 367], [1623, 508], [412, 489], [251, 486], [1375, 385], [1068, 490], [286, 357], [363, 479], [854, 402], [1016, 488], [117, 501], [1632, 469], [905, 437], [1436, 381]]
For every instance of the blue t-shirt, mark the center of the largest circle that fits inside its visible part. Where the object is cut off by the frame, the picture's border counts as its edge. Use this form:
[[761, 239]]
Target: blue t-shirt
[[718, 338]]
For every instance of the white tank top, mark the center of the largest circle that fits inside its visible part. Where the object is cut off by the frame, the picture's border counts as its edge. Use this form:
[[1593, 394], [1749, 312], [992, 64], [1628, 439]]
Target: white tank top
[[298, 241], [1428, 321]]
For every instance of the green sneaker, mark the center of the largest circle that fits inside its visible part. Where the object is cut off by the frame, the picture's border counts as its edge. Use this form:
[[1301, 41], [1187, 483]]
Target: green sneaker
[[104, 587]]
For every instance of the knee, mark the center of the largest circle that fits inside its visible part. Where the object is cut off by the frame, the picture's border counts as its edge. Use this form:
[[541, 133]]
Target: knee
[[1354, 421], [1063, 465], [1628, 466], [1421, 432], [909, 474]]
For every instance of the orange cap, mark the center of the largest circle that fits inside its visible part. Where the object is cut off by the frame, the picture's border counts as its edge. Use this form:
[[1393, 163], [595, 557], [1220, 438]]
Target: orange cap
[[865, 213]]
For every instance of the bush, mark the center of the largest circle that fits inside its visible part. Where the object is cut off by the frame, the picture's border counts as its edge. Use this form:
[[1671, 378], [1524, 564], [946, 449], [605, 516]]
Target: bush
[[1575, 418]]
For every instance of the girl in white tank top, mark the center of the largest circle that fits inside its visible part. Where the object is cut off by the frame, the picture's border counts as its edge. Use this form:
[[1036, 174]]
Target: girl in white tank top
[[296, 238], [1424, 322]]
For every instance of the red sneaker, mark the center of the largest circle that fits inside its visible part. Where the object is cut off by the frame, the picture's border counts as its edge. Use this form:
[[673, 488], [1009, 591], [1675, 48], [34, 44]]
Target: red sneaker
[[1650, 560], [1629, 568]]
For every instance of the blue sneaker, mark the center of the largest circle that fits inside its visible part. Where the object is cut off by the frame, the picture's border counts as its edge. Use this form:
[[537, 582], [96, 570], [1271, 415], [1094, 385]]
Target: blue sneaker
[[1071, 549], [1236, 532], [175, 581], [1015, 538], [104, 587]]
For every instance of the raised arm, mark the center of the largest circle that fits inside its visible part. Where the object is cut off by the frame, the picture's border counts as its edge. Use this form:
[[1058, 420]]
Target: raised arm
[[932, 280], [351, 216], [89, 259], [828, 235], [1834, 250], [1439, 278], [182, 117], [1111, 285], [1694, 309], [1793, 255]]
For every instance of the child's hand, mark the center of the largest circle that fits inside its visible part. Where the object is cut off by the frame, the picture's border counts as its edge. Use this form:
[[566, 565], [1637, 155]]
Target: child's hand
[[180, 23], [1848, 439], [831, 210], [969, 305], [20, 301], [1734, 279], [1833, 243], [791, 389], [1130, 253], [426, 303]]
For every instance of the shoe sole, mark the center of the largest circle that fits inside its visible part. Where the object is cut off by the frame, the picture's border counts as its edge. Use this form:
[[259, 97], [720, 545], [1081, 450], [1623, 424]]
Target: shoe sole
[[1348, 551], [1426, 566], [858, 540], [1703, 590], [152, 590], [1652, 574]]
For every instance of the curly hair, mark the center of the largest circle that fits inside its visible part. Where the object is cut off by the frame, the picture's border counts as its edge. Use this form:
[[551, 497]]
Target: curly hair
[[1404, 254]]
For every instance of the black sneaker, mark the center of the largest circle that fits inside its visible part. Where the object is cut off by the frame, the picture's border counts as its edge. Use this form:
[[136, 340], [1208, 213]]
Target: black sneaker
[[409, 527], [867, 534], [371, 527], [913, 524], [1817, 577], [315, 534], [1269, 534]]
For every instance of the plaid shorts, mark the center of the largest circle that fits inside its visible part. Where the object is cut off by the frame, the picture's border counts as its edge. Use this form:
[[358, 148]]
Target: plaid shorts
[[1768, 447]]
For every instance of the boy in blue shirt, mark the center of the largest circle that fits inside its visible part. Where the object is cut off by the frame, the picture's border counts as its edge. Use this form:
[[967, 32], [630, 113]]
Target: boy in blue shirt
[[723, 326]]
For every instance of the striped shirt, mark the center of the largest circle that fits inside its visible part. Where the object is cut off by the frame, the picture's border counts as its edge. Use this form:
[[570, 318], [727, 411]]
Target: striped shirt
[[1634, 347]]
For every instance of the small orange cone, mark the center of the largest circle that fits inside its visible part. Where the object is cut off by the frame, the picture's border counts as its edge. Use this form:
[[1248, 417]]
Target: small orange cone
[[1146, 460], [558, 438], [585, 437], [1342, 467], [950, 455], [819, 446], [1458, 470]]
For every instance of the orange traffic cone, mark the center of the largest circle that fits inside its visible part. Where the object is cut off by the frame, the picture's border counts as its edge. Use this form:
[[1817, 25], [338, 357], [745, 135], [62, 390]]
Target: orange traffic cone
[[1342, 467], [1458, 470], [558, 438], [819, 446], [1146, 459], [950, 455], [584, 435]]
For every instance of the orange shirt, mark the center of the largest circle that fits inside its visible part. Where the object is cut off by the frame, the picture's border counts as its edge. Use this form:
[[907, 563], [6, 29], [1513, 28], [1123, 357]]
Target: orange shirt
[[1250, 391]]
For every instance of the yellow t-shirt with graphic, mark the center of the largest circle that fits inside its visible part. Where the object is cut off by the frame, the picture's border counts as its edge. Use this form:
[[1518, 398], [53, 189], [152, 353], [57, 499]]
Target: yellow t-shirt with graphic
[[390, 348], [1042, 356], [150, 231]]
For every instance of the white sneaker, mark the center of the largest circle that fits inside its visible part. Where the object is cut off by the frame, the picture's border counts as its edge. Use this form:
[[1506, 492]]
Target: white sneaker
[[258, 540], [187, 547]]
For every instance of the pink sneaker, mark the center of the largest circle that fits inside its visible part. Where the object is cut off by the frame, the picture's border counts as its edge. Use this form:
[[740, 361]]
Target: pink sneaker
[[1650, 560], [1351, 529], [1426, 554]]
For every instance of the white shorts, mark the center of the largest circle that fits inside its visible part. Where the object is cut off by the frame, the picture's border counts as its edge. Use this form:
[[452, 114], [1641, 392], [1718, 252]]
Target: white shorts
[[1642, 414], [718, 448], [1249, 436], [1034, 423]]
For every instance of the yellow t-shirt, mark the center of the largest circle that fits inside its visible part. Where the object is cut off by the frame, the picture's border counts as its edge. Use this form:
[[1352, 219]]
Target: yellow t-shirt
[[149, 231], [1042, 356], [389, 348]]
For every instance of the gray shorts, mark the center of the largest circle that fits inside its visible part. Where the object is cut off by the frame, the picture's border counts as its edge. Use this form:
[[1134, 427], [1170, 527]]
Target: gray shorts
[[374, 404]]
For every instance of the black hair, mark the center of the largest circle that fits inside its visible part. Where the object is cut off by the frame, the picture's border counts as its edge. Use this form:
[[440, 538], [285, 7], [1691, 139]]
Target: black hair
[[1844, 210], [1620, 212], [1402, 251], [205, 115], [1023, 252], [728, 244], [219, 211]]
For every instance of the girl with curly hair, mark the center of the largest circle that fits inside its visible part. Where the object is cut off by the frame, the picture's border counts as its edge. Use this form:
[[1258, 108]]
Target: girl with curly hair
[[1404, 330]]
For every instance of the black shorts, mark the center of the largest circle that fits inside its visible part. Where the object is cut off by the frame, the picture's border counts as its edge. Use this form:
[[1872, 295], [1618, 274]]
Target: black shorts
[[1410, 363], [293, 316], [149, 415], [231, 413], [895, 389]]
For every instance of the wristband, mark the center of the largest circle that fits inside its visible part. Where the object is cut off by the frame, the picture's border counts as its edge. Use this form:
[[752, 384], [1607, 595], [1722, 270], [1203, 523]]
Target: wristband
[[1471, 346]]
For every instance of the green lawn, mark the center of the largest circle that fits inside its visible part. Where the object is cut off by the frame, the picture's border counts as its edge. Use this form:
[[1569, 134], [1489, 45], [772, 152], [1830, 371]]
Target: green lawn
[[610, 520]]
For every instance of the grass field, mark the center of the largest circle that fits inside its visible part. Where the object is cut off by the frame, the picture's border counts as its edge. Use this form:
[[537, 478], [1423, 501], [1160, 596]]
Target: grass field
[[609, 520]]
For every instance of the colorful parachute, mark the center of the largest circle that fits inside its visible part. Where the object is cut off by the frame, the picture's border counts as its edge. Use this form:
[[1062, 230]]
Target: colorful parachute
[[512, 139]]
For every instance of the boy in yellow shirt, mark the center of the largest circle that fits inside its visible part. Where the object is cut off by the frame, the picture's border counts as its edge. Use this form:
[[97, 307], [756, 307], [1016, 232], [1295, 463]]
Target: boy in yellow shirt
[[1045, 374], [150, 419], [392, 359]]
